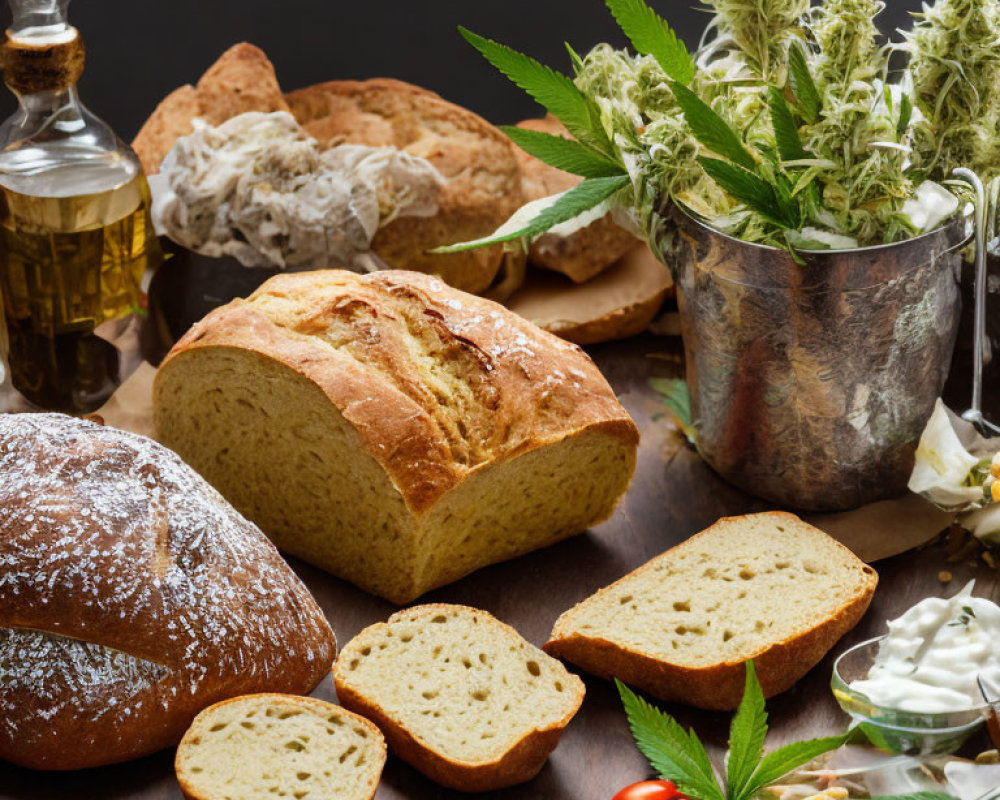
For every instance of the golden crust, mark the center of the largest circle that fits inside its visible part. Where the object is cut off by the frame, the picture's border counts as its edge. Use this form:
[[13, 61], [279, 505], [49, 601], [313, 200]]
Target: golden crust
[[242, 80], [718, 687], [586, 253], [519, 764], [353, 336], [483, 186]]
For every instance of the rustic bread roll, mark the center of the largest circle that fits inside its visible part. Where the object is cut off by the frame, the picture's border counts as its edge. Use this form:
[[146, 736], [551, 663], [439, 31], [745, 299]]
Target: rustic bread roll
[[459, 695], [484, 181], [586, 253], [264, 746], [620, 302], [131, 597], [241, 80], [392, 430], [766, 587]]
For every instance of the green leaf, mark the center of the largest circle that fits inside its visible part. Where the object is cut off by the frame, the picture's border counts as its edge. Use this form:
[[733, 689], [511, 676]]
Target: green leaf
[[580, 198], [651, 35], [564, 154], [775, 766], [786, 132], [677, 756], [746, 736], [803, 86], [555, 91], [754, 192], [676, 396], [905, 115], [574, 58], [710, 129]]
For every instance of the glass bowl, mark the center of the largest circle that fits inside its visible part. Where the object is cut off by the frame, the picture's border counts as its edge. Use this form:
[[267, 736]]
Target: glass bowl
[[894, 730]]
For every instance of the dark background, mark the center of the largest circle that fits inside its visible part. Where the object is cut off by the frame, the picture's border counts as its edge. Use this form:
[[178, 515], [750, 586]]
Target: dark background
[[140, 51]]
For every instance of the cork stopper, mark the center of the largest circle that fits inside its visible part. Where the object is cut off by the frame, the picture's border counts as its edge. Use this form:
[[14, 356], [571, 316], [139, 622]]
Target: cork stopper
[[41, 64]]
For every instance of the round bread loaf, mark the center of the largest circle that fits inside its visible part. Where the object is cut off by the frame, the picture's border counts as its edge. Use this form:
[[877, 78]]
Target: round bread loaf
[[132, 596], [483, 178]]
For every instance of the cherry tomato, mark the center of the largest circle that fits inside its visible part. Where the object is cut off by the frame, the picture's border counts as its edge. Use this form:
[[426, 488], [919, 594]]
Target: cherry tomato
[[650, 790]]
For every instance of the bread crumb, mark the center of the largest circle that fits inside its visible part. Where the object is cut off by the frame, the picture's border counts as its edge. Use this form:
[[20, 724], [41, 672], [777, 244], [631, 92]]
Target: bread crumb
[[988, 757], [944, 576]]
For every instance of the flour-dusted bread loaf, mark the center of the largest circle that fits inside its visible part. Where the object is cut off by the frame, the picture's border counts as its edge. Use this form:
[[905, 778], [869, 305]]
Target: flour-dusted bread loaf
[[267, 746], [585, 253], [392, 430], [241, 80], [132, 596], [483, 186], [459, 695], [766, 587]]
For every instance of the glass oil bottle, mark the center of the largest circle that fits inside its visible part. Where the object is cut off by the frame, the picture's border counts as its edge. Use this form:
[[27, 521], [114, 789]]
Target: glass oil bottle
[[76, 236]]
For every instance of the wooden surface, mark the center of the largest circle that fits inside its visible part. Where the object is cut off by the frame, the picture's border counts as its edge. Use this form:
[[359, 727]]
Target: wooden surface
[[673, 496]]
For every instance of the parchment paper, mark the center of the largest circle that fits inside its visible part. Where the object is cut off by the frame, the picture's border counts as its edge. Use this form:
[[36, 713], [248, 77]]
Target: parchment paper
[[873, 532]]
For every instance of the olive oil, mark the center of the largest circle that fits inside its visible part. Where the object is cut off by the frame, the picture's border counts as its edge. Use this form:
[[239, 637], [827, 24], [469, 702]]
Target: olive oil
[[76, 235], [68, 266]]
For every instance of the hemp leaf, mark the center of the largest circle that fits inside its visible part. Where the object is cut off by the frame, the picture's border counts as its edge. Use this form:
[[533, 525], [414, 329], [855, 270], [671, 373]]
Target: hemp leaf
[[564, 154], [680, 757], [711, 130], [751, 190], [576, 201], [555, 91], [651, 35], [786, 132], [804, 89]]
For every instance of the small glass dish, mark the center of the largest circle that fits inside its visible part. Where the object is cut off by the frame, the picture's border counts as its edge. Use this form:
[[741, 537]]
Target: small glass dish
[[901, 732]]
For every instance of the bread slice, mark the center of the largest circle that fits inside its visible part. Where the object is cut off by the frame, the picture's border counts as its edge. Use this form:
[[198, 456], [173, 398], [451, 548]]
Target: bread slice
[[585, 253], [483, 186], [618, 303], [243, 79], [459, 695], [263, 746], [766, 587], [428, 432]]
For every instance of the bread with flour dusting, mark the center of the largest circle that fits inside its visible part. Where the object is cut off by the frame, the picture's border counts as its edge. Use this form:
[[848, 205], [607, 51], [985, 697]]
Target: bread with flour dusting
[[132, 596], [394, 431]]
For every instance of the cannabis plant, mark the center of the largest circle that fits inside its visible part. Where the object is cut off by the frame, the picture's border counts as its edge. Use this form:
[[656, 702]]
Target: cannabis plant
[[782, 129]]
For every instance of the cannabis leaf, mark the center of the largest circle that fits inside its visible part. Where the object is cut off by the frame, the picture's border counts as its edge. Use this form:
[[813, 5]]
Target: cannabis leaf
[[710, 129], [905, 115], [681, 758], [674, 754], [803, 86], [751, 190], [786, 132], [552, 89], [576, 201], [746, 735], [676, 396], [651, 35], [574, 58], [564, 154]]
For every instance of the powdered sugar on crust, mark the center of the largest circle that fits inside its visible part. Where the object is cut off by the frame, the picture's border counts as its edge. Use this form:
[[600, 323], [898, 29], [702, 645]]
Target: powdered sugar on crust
[[129, 586]]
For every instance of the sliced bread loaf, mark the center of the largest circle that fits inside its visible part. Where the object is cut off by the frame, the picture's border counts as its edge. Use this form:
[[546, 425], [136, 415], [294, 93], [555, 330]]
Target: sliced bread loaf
[[459, 695], [266, 746], [429, 432], [766, 587]]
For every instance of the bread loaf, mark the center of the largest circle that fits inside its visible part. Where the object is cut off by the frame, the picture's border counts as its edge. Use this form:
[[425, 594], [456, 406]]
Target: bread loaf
[[392, 430], [241, 80], [131, 597], [483, 179], [459, 695], [267, 746], [766, 587], [586, 253]]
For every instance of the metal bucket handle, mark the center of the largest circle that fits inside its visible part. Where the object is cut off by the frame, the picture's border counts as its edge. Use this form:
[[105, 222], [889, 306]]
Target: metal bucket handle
[[981, 354]]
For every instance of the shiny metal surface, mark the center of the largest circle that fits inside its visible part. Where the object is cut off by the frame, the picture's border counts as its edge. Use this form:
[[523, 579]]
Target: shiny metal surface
[[811, 382]]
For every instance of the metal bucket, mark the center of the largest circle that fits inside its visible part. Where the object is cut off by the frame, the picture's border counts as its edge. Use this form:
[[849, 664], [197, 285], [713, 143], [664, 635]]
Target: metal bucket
[[811, 382]]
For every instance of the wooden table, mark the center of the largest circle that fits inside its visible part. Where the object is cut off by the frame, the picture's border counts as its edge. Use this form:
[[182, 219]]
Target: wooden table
[[673, 496]]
